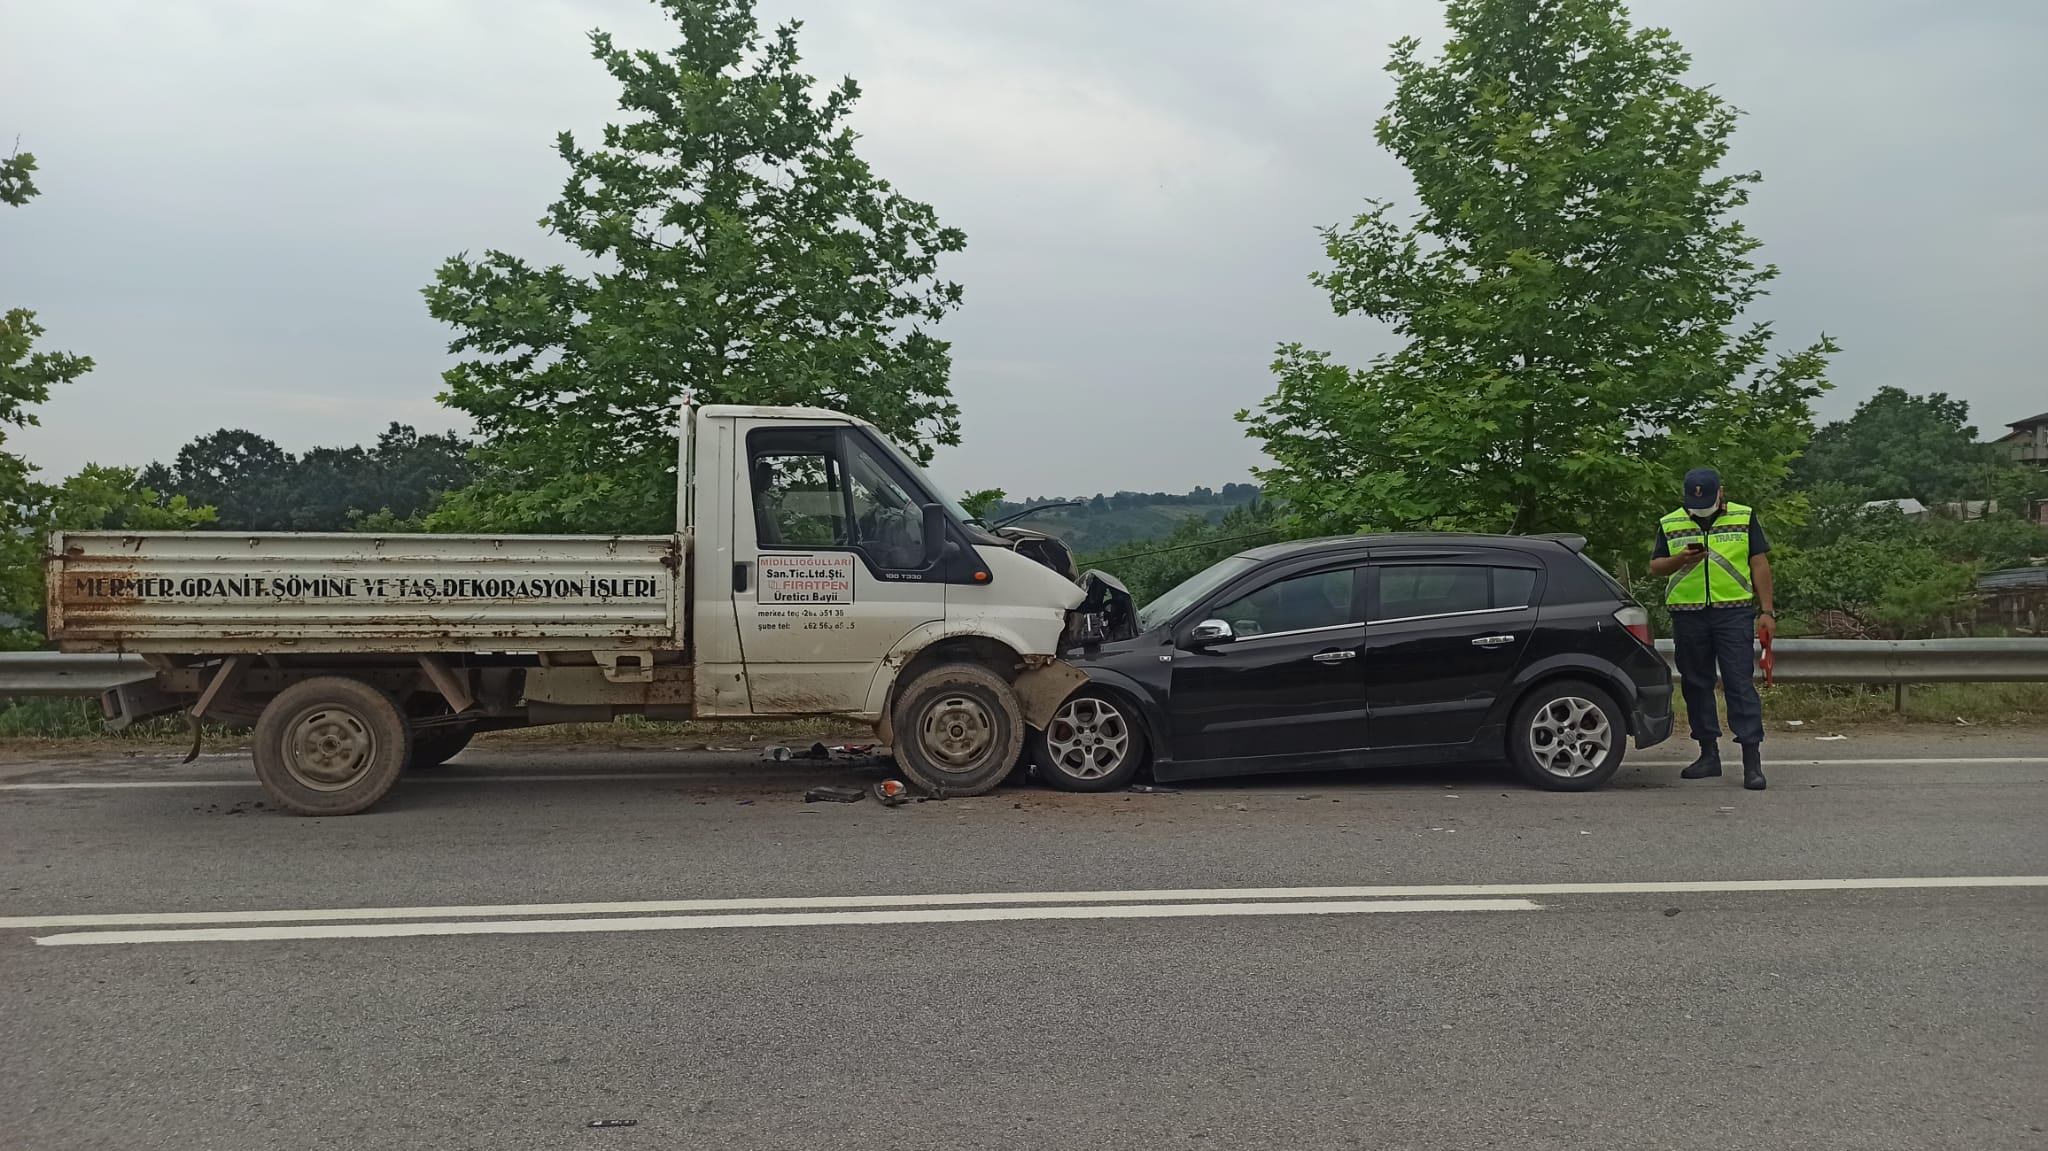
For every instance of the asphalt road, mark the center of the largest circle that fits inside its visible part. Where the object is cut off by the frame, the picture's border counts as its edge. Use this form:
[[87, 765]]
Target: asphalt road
[[533, 939]]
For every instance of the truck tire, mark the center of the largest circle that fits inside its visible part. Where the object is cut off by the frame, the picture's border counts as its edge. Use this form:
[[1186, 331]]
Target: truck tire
[[434, 746], [330, 746], [959, 730]]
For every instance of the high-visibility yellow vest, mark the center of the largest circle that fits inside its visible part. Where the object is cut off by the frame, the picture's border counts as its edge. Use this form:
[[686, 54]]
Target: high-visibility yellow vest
[[1722, 578]]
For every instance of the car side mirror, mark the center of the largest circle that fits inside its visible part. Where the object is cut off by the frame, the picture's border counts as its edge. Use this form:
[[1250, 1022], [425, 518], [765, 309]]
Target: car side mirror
[[934, 534], [1211, 632]]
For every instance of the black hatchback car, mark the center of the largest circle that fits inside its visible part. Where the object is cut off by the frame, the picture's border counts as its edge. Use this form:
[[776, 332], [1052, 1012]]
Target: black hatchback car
[[1371, 650]]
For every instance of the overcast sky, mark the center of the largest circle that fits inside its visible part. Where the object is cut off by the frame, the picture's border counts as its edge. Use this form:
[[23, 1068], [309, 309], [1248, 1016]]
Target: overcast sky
[[242, 198]]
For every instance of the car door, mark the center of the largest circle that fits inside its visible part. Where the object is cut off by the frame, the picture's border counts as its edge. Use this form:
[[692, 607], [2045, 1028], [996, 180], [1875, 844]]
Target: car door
[[1285, 685], [828, 570], [1443, 635]]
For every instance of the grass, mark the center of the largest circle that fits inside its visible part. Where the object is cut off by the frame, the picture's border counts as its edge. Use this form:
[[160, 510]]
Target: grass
[[1839, 705]]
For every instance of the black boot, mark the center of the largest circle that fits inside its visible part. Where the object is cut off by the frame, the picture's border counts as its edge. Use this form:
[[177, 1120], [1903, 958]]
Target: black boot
[[1708, 764], [1752, 767]]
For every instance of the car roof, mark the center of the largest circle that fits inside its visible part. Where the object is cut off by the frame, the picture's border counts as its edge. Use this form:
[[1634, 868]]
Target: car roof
[[1321, 544]]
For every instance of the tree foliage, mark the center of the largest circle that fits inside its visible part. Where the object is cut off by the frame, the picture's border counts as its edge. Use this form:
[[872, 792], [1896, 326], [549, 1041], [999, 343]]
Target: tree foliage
[[26, 377], [1569, 293], [739, 247], [1898, 444], [254, 485]]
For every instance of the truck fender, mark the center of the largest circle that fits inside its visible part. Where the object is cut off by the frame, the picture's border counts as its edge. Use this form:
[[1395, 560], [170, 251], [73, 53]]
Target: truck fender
[[921, 638]]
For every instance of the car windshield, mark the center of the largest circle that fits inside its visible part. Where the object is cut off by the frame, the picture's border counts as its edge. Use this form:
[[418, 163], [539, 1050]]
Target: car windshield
[[1191, 590], [937, 494]]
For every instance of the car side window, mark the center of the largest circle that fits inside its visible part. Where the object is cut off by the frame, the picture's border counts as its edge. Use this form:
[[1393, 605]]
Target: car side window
[[819, 489], [1407, 591], [1299, 603]]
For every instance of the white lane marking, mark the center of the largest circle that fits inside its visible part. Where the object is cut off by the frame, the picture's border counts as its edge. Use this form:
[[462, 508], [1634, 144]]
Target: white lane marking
[[795, 919], [1014, 898], [681, 774]]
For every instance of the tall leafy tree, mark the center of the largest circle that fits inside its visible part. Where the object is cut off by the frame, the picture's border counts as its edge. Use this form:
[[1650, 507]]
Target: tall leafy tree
[[731, 241], [1569, 292], [1898, 444], [26, 377]]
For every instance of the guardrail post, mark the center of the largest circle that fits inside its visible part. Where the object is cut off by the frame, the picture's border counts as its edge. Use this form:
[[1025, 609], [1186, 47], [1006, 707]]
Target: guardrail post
[[1898, 698]]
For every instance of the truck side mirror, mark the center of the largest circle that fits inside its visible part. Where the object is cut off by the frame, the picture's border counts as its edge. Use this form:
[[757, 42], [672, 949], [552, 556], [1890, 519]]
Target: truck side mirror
[[934, 534]]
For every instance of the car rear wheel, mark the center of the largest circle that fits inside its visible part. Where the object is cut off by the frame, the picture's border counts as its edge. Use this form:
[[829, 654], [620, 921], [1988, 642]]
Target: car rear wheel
[[1567, 736], [1093, 743]]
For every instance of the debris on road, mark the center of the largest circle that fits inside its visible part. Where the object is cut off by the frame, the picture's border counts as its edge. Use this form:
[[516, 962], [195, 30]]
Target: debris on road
[[891, 793], [615, 1123], [818, 751], [1961, 722], [777, 754], [1153, 789], [833, 794], [1829, 738], [1795, 723], [1670, 911]]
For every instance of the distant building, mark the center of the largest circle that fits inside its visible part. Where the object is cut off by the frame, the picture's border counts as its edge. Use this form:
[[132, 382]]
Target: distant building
[[1907, 506], [2027, 443]]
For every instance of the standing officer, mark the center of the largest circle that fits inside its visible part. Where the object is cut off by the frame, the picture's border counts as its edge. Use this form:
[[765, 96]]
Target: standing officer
[[1714, 553]]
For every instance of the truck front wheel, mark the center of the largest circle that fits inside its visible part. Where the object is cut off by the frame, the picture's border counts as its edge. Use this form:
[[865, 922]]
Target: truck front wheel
[[330, 746], [959, 730]]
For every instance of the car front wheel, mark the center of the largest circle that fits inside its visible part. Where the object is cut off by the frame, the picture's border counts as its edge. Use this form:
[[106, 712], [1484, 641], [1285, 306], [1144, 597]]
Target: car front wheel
[[1567, 736], [1094, 743]]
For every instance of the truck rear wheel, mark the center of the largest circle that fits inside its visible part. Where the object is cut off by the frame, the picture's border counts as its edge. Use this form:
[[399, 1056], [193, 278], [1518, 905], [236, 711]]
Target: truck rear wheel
[[959, 730], [330, 746], [434, 746]]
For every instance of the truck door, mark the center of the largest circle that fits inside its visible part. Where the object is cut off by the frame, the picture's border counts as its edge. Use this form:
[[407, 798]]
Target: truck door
[[829, 570]]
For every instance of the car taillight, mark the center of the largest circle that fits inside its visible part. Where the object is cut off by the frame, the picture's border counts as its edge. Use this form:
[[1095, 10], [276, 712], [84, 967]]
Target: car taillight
[[1637, 621]]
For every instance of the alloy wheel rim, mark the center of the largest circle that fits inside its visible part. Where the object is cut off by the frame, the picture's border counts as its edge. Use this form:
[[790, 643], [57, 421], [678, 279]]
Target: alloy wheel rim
[[1570, 737], [1088, 738]]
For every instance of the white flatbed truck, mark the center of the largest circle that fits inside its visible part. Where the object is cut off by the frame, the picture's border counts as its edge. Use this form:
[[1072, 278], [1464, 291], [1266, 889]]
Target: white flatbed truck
[[815, 571]]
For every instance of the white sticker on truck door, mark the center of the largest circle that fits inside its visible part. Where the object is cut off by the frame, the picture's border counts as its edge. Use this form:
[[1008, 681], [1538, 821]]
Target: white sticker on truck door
[[826, 579]]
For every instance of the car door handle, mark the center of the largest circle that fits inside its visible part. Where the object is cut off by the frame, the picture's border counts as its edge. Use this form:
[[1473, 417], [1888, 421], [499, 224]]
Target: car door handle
[[1493, 641], [1333, 656]]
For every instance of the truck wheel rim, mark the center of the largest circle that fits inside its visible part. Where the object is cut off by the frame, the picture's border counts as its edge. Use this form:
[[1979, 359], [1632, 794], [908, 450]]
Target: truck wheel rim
[[1570, 737], [1088, 738], [958, 732], [329, 748]]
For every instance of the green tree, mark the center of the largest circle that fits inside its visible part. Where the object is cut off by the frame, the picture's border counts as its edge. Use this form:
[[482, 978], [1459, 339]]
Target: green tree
[[740, 247], [1898, 444], [26, 377], [98, 498], [257, 486], [1569, 294], [981, 503]]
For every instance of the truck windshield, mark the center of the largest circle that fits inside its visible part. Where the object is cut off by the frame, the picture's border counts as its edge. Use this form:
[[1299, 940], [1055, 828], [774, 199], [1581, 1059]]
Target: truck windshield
[[1192, 590], [923, 479]]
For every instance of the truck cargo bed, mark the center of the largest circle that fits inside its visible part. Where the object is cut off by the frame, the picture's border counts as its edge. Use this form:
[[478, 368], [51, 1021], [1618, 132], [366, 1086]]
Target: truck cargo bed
[[225, 592]]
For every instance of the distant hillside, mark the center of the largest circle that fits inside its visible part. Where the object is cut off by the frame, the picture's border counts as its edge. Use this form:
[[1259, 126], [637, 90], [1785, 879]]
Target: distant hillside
[[1107, 521]]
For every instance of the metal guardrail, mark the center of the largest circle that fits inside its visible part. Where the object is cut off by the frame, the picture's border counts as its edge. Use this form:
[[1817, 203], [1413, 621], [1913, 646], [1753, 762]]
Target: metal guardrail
[[1891, 661], [1901, 661], [60, 673]]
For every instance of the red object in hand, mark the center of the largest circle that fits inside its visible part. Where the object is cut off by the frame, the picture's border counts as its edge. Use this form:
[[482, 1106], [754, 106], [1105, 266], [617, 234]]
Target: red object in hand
[[1768, 662]]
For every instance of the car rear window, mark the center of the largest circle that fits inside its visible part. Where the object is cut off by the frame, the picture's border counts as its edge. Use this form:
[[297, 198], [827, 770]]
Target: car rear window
[[1606, 581]]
